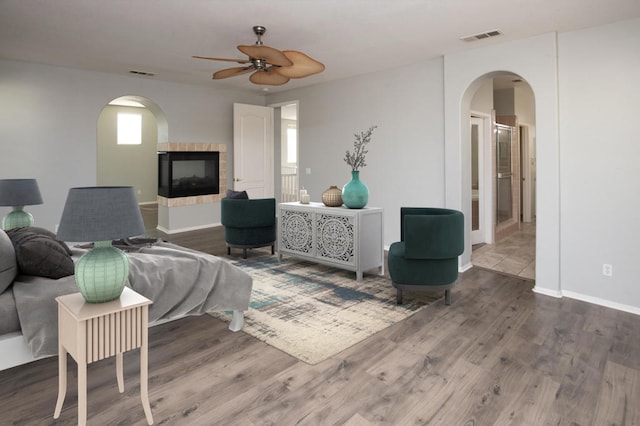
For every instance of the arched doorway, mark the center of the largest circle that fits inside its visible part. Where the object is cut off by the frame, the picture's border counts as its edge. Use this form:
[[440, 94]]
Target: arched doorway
[[464, 74], [502, 170], [129, 129]]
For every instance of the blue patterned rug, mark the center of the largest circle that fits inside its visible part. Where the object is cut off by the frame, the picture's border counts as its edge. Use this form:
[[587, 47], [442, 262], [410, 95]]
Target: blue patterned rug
[[313, 311]]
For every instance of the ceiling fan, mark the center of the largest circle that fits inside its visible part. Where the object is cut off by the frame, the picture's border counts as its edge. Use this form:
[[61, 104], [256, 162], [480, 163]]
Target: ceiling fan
[[270, 66]]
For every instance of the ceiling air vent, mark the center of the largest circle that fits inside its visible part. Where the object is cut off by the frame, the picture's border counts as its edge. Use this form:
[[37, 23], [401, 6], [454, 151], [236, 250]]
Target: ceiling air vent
[[142, 73], [481, 36]]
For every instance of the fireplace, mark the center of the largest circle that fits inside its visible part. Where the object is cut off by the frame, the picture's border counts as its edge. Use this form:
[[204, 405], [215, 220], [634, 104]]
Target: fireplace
[[186, 174]]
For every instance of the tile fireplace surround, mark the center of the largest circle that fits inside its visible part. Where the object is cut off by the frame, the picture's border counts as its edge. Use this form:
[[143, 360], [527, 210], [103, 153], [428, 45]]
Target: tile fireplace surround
[[197, 147], [194, 212]]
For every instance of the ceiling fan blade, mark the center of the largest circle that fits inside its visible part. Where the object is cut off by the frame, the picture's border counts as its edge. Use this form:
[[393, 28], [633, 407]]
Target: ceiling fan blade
[[269, 54], [231, 72], [240, 61], [303, 65], [268, 78]]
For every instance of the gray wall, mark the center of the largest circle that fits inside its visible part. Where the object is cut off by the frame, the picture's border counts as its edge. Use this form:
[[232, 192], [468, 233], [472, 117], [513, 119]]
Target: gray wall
[[585, 145], [48, 127], [599, 151], [405, 163]]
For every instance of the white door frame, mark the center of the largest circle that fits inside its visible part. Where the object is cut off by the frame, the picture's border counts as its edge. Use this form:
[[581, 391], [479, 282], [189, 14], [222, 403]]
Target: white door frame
[[279, 137], [528, 183], [485, 172]]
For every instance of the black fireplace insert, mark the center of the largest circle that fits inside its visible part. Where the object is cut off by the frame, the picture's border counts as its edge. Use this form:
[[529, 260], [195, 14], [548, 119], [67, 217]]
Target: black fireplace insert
[[185, 174]]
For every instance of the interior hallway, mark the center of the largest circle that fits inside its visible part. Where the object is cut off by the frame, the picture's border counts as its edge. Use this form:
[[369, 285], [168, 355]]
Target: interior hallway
[[514, 255]]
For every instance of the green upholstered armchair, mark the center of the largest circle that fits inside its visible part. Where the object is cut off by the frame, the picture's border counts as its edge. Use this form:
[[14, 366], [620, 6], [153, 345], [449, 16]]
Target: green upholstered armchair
[[249, 223], [426, 258]]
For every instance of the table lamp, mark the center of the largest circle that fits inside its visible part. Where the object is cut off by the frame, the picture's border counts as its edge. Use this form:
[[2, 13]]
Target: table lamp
[[18, 193], [101, 214]]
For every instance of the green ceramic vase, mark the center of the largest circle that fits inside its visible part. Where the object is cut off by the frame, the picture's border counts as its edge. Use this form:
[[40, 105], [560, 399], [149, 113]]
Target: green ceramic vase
[[355, 194]]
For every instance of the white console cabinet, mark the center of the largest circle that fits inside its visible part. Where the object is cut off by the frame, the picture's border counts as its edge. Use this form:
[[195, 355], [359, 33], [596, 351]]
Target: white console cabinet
[[350, 239]]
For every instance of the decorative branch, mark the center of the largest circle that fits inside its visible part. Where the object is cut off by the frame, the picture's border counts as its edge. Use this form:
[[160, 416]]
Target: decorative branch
[[357, 159]]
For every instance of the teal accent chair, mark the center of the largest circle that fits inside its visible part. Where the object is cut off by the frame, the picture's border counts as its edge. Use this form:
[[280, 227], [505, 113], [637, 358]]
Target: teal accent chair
[[426, 258], [249, 223]]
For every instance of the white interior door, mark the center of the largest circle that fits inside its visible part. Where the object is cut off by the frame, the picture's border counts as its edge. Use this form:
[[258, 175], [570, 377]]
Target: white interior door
[[253, 169]]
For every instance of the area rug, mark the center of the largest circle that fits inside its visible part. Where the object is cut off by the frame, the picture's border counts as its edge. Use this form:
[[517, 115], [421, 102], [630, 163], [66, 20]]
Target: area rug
[[313, 311]]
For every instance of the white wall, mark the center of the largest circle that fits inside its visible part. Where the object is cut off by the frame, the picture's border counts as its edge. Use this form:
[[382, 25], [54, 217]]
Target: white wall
[[405, 163], [586, 90], [48, 126], [535, 60], [599, 150]]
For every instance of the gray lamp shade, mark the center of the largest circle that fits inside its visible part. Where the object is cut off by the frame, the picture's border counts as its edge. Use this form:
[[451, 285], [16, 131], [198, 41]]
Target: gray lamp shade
[[100, 213], [19, 192]]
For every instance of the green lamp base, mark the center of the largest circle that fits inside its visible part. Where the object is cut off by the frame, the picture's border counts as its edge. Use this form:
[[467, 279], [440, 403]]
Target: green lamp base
[[102, 272], [17, 218]]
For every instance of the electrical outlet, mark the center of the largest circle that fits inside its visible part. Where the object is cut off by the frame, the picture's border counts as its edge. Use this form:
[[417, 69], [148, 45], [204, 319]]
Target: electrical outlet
[[607, 270]]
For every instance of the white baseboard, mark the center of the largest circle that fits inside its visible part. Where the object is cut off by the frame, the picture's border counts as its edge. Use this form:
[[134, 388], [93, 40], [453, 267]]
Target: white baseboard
[[465, 268], [602, 302], [547, 292], [589, 299], [191, 228]]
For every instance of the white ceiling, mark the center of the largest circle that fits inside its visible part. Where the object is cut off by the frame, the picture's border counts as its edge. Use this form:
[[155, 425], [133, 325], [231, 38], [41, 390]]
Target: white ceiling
[[349, 36]]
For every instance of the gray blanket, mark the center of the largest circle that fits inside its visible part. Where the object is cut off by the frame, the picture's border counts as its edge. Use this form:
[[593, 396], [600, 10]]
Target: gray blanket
[[179, 281]]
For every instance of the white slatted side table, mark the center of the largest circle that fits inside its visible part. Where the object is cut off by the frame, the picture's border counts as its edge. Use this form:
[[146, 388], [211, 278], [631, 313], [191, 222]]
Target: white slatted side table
[[91, 332]]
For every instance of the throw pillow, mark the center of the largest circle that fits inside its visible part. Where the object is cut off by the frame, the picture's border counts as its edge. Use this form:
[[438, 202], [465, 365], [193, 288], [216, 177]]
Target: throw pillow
[[40, 254], [8, 265], [47, 233], [237, 195]]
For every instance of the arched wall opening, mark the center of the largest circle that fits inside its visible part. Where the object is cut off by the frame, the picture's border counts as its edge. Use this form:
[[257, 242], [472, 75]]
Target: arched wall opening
[[464, 74], [131, 164], [503, 174]]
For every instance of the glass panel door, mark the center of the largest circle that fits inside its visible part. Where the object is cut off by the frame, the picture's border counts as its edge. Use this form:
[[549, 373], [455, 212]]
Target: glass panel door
[[504, 169]]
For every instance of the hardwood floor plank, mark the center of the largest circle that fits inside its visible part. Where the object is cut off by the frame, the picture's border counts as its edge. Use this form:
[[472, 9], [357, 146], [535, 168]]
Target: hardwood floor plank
[[618, 396], [532, 403], [449, 402]]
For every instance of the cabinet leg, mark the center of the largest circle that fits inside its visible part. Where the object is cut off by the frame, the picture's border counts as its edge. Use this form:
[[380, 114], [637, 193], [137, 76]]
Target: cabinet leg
[[359, 276], [144, 366], [82, 392], [144, 388], [62, 380], [120, 372]]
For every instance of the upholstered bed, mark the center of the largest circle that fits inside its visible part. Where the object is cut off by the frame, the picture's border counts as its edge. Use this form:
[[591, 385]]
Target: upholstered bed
[[179, 281]]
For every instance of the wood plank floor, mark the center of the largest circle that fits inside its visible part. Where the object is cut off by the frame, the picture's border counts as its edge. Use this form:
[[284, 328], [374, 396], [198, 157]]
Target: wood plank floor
[[499, 355]]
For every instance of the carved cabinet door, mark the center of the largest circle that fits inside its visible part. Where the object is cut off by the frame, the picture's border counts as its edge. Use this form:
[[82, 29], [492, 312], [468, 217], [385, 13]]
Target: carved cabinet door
[[297, 232], [336, 237]]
